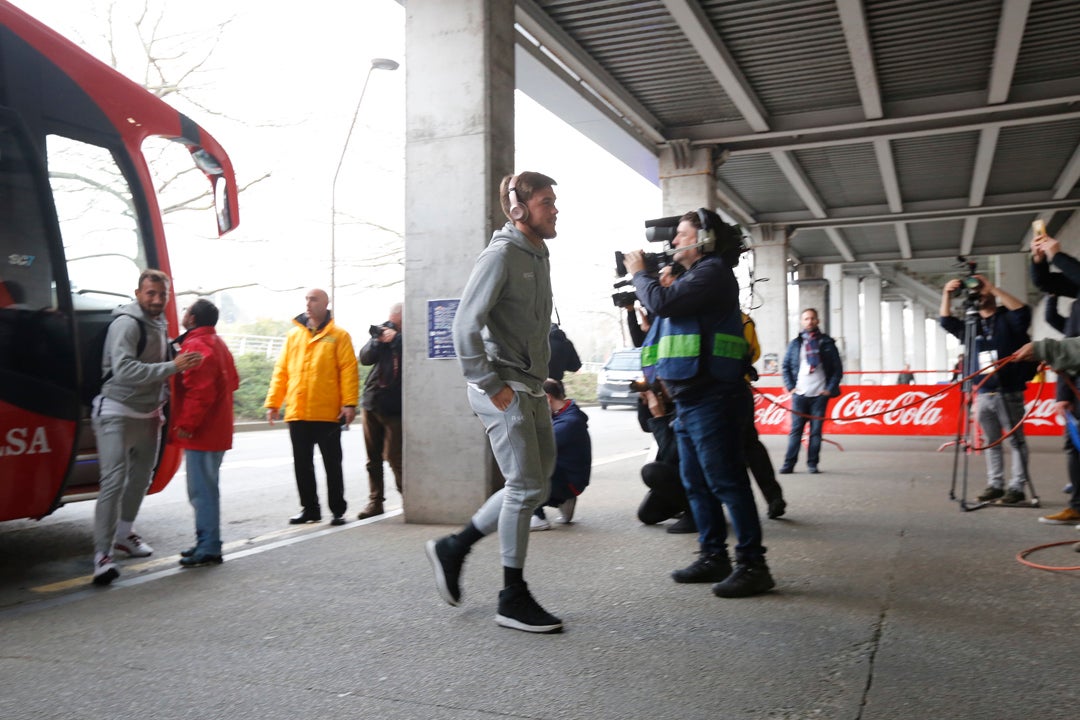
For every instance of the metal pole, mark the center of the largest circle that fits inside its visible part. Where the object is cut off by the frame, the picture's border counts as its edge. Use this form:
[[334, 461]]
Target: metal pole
[[376, 64]]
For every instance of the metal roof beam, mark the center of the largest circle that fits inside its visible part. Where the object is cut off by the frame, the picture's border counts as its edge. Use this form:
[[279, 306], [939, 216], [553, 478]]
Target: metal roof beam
[[955, 213], [853, 19], [697, 27], [903, 240], [984, 159], [730, 201], [536, 23], [810, 136], [1010, 34], [887, 168], [967, 235]]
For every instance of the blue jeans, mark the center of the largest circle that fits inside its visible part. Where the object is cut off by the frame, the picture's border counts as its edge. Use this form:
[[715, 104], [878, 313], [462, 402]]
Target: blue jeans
[[713, 471], [815, 407], [203, 468]]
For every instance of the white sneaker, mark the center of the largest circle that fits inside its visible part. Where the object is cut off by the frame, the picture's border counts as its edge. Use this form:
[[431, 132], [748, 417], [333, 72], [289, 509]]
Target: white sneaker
[[134, 546], [105, 570], [536, 523], [567, 509]]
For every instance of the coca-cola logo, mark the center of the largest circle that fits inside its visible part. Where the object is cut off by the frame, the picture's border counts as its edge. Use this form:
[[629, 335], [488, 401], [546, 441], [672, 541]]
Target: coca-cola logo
[[851, 408], [1043, 413], [767, 411]]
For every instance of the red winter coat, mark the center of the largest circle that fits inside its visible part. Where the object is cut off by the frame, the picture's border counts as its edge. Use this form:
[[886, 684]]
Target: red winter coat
[[203, 396]]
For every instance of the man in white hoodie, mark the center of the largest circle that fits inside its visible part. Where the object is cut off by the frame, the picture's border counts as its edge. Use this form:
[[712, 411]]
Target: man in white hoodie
[[501, 340]]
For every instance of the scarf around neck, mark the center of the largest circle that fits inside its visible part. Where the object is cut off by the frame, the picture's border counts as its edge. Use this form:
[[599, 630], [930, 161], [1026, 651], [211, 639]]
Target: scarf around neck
[[811, 341]]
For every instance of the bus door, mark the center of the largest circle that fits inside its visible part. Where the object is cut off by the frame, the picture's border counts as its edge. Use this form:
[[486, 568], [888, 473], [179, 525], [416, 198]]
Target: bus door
[[39, 403]]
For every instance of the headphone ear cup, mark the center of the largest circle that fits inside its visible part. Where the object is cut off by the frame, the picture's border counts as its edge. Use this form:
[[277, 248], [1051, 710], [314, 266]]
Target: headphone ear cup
[[519, 212]]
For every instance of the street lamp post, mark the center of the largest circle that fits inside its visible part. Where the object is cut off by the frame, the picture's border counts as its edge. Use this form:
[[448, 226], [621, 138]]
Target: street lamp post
[[376, 64]]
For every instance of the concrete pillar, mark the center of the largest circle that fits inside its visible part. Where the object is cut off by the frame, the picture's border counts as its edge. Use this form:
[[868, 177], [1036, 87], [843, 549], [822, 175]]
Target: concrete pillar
[[941, 359], [1012, 274], [918, 343], [871, 328], [851, 331], [687, 181], [814, 293], [895, 352], [770, 261], [834, 323], [459, 127]]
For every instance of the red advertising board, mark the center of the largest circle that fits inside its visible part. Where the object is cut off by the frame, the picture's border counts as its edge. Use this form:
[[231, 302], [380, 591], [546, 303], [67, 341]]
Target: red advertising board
[[899, 410]]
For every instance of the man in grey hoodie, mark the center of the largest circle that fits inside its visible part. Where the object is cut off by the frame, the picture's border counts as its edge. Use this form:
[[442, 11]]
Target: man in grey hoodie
[[127, 418], [501, 340]]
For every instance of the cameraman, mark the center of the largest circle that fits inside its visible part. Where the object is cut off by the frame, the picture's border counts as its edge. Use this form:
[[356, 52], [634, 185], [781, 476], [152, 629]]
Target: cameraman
[[381, 407], [712, 399], [999, 405]]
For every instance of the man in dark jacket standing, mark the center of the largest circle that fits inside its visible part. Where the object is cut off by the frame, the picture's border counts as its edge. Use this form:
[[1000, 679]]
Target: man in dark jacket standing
[[381, 408], [812, 372], [204, 426]]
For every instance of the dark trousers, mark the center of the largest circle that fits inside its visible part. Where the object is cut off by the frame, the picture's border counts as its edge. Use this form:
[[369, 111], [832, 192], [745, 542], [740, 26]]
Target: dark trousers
[[305, 435], [757, 458], [803, 408], [1072, 464], [382, 439]]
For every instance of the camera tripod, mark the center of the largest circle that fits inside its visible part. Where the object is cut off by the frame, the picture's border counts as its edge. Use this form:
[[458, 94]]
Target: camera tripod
[[965, 430]]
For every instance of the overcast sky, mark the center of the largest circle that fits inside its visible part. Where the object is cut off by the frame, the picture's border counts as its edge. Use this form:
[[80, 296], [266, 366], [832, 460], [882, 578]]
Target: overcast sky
[[279, 92]]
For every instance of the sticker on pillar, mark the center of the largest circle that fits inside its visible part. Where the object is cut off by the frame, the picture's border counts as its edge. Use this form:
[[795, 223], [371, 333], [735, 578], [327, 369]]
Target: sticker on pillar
[[770, 363], [440, 327]]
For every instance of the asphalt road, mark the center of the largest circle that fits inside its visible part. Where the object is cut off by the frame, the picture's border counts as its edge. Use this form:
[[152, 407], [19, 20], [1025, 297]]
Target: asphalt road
[[43, 559]]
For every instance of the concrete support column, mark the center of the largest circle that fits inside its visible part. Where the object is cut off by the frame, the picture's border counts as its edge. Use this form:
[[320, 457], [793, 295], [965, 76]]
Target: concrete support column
[[687, 180], [849, 341], [770, 261], [940, 356], [918, 343], [814, 292], [834, 323], [459, 119], [871, 328], [895, 352], [1012, 274]]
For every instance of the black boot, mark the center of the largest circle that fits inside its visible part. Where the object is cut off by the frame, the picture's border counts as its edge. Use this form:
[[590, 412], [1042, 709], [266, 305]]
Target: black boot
[[685, 524], [709, 567], [748, 578]]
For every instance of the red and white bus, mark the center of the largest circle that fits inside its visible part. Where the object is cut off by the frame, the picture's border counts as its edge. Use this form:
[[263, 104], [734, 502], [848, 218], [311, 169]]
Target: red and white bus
[[79, 220]]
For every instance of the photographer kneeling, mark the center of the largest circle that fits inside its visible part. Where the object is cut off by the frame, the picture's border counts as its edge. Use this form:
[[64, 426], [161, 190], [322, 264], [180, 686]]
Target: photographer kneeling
[[697, 348]]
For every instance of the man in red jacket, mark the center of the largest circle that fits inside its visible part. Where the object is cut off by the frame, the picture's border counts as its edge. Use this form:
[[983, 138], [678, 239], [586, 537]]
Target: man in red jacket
[[203, 426]]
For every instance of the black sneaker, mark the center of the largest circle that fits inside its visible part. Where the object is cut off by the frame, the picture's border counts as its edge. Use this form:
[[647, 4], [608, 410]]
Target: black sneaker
[[745, 580], [777, 507], [786, 469], [991, 493], [518, 610], [1013, 496], [683, 525], [709, 567], [447, 557]]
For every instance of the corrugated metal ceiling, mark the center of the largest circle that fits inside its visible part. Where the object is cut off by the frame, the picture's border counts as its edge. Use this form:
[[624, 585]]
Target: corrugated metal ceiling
[[974, 106]]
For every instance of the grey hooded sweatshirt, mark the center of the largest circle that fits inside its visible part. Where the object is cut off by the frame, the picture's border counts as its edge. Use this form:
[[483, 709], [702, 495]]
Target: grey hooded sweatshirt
[[137, 382], [502, 322]]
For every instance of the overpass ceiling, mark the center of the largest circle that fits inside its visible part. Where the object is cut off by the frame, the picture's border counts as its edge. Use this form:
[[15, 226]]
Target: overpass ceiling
[[881, 131]]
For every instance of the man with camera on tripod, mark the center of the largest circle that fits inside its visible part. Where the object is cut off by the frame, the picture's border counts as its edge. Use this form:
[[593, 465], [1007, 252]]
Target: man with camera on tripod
[[995, 333]]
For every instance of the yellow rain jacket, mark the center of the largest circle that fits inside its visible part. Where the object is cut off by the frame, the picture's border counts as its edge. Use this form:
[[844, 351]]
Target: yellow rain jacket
[[316, 374]]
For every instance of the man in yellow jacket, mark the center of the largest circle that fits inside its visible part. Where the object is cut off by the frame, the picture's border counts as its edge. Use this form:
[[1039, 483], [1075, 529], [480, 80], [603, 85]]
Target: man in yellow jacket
[[317, 379]]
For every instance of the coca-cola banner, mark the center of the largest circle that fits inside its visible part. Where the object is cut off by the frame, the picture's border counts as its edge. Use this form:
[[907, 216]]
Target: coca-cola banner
[[872, 410]]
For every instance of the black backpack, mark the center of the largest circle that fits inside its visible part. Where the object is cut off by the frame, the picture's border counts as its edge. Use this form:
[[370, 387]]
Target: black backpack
[[93, 355]]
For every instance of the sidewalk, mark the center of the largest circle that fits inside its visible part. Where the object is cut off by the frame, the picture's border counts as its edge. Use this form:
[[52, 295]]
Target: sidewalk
[[890, 603]]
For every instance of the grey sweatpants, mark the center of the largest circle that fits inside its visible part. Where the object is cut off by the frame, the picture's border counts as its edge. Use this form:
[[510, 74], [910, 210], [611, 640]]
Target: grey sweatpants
[[127, 451], [997, 413], [524, 447]]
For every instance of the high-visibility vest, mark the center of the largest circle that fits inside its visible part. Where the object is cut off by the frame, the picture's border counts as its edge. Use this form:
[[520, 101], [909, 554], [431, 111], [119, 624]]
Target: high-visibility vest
[[673, 349]]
